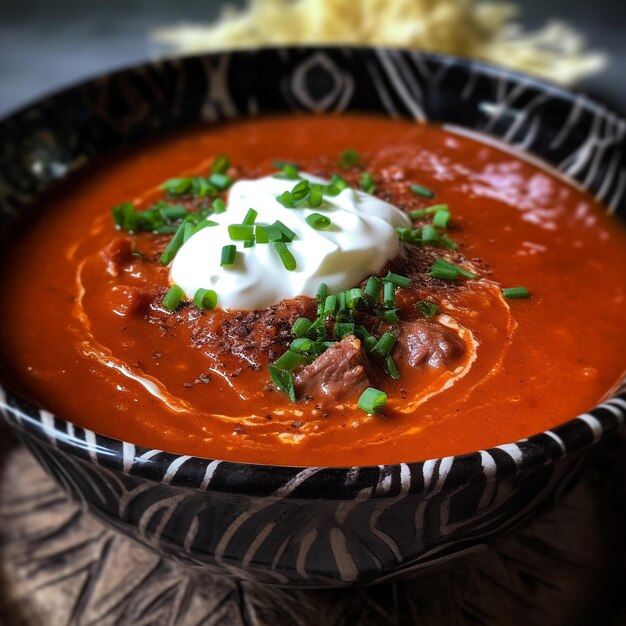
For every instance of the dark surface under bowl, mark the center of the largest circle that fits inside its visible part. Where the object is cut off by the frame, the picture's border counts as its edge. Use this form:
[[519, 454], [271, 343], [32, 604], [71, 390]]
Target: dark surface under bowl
[[309, 526]]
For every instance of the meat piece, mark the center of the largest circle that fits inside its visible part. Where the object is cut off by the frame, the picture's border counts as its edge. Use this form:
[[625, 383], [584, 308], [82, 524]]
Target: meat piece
[[337, 374], [117, 255], [422, 342]]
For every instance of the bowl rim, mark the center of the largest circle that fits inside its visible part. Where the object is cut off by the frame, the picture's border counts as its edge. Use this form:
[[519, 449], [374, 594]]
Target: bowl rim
[[539, 448]]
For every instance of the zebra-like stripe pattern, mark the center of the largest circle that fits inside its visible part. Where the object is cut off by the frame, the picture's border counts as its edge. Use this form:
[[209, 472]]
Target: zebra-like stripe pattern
[[310, 526]]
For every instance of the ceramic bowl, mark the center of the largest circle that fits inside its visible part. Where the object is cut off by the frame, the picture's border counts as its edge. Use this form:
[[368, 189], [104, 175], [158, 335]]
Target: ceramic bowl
[[309, 526]]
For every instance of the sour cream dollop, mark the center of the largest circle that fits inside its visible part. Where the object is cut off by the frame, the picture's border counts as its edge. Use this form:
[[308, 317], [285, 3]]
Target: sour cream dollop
[[361, 239]]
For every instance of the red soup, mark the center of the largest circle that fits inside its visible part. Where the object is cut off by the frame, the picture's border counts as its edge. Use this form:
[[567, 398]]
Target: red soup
[[495, 311]]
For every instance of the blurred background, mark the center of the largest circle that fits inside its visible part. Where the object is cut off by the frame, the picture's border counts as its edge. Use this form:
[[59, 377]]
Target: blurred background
[[45, 45]]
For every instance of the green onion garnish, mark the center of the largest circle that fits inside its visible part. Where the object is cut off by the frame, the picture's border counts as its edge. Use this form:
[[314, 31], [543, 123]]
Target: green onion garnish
[[290, 360], [316, 196], [422, 191], [396, 279], [301, 344], [449, 243], [174, 245], [343, 303], [348, 158], [441, 218], [250, 217], [330, 306], [391, 368], [353, 297], [204, 224], [219, 206], [320, 297], [300, 191], [336, 186], [391, 316], [228, 255], [124, 216], [372, 289], [286, 199], [289, 261], [389, 294], [301, 327], [429, 234], [445, 270], [221, 181], [283, 381], [289, 170], [221, 164], [426, 308], [317, 221], [372, 401], [342, 329], [384, 344], [287, 234], [177, 186], [241, 232], [173, 298], [516, 292], [260, 234], [366, 182], [205, 299]]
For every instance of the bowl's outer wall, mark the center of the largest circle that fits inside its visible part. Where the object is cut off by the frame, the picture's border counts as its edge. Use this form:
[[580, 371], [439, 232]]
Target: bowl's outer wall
[[309, 526]]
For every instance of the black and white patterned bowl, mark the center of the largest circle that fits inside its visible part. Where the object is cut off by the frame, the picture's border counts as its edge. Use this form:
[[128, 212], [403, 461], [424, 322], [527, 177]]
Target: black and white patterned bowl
[[306, 525]]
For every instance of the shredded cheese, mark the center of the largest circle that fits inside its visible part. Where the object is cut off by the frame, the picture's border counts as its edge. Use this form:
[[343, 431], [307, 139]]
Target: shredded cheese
[[481, 30]]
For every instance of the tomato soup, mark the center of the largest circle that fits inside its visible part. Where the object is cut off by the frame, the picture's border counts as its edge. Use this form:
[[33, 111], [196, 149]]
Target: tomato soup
[[485, 298]]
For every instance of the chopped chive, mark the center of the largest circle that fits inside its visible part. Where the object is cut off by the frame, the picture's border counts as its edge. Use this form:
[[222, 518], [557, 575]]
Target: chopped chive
[[173, 298], [221, 164], [389, 294], [286, 199], [205, 299], [219, 206], [260, 234], [171, 212], [391, 316], [431, 210], [290, 360], [318, 221], [229, 253], [250, 217], [343, 302], [336, 186], [240, 232], [249, 243], [426, 308], [316, 196], [200, 187], [330, 305], [320, 297], [301, 344], [174, 245], [348, 158], [287, 234], [516, 292], [273, 232], [188, 230], [342, 329], [318, 327], [283, 381], [353, 297], [449, 243], [289, 170], [177, 186], [372, 288], [221, 181], [441, 218], [301, 327], [300, 191], [445, 270], [396, 279], [289, 261], [384, 344], [422, 191], [372, 401], [366, 182], [391, 368], [124, 216], [429, 234]]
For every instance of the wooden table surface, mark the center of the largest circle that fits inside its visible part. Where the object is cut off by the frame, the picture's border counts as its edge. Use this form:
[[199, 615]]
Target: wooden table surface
[[60, 567]]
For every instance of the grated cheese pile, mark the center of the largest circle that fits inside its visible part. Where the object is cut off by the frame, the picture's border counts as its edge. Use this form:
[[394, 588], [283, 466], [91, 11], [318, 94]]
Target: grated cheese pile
[[481, 30]]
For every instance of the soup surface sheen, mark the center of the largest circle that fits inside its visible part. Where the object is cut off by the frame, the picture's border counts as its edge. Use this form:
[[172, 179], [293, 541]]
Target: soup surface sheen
[[86, 336]]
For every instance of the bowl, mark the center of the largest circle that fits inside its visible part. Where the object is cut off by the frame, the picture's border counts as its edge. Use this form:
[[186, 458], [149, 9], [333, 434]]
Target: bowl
[[309, 526]]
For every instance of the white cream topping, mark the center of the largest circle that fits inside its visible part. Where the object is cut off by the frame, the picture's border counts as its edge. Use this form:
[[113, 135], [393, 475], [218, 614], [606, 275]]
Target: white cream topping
[[360, 241]]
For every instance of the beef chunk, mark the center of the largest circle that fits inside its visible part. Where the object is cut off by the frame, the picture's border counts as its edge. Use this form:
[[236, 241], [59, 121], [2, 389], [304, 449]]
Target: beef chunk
[[422, 342], [339, 373]]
